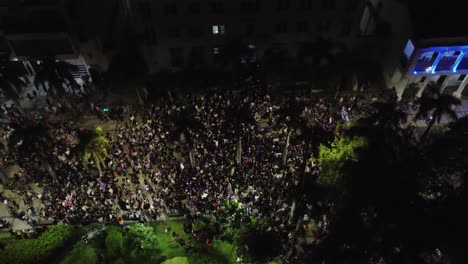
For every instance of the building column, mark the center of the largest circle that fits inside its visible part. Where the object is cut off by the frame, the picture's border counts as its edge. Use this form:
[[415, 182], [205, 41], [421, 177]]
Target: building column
[[460, 89], [400, 89], [445, 83], [423, 86]]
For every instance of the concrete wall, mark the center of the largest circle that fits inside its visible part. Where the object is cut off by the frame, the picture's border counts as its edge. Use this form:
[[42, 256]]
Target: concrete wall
[[397, 15]]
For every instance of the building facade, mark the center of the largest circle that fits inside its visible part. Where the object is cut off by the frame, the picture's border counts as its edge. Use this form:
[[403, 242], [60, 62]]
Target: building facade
[[177, 33], [184, 32], [79, 32], [435, 49]]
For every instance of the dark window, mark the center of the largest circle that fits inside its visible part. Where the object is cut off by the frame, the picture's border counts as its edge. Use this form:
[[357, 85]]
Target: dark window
[[177, 56], [195, 32], [193, 8], [281, 28], [218, 55], [173, 33], [306, 4], [441, 79], [145, 10], [283, 5], [324, 26], [217, 7], [351, 5], [170, 9], [462, 77], [153, 39], [422, 79], [249, 29], [329, 4], [148, 9], [197, 56], [250, 6], [346, 28], [302, 27], [150, 35]]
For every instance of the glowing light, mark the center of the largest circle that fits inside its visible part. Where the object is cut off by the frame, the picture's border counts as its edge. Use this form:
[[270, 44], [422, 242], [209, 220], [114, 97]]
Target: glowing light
[[457, 62], [414, 72]]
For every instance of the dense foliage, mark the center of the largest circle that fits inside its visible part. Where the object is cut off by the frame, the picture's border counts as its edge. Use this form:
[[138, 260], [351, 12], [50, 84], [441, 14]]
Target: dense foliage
[[332, 158], [142, 237], [403, 195], [37, 250], [114, 242]]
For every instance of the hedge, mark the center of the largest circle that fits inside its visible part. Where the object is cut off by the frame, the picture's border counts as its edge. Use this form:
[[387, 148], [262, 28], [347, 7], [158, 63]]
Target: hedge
[[37, 250], [113, 242]]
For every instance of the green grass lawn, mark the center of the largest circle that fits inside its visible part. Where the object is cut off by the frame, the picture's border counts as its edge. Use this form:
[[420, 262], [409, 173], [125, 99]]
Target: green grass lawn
[[167, 246], [82, 253], [5, 235]]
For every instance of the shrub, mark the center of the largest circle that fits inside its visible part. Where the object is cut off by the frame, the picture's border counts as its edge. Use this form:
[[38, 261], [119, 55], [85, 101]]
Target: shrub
[[142, 237], [37, 250], [333, 158], [113, 242]]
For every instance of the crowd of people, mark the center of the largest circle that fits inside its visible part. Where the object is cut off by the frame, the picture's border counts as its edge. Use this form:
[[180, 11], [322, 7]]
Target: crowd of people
[[153, 171]]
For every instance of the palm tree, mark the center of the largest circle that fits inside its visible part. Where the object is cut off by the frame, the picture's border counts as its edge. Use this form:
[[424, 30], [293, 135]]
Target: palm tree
[[296, 120], [386, 115], [237, 116], [436, 104], [187, 124], [54, 76], [93, 144], [383, 124], [292, 116], [11, 82], [32, 140]]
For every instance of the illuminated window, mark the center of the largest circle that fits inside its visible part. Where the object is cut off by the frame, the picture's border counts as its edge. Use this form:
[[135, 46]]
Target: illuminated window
[[218, 29]]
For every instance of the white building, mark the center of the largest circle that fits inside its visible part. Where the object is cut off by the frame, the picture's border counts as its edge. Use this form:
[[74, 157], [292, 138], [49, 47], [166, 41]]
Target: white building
[[434, 49]]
